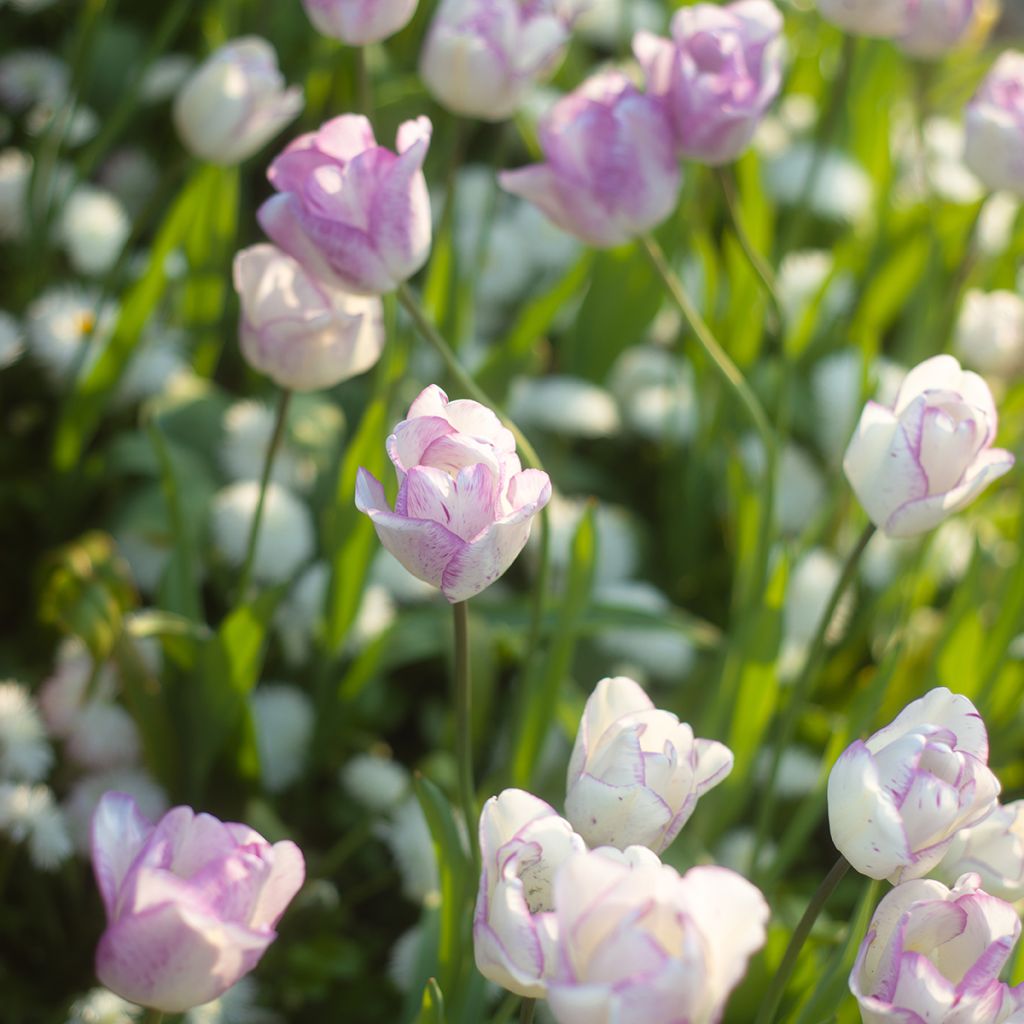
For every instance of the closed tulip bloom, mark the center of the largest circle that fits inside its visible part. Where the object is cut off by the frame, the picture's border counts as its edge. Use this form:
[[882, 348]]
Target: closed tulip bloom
[[358, 22], [934, 954], [929, 456], [993, 849], [235, 102], [934, 27], [609, 171], [300, 332], [465, 504], [191, 902], [882, 19], [636, 772], [353, 213], [896, 800], [523, 842], [994, 126], [640, 943], [482, 56], [717, 75]]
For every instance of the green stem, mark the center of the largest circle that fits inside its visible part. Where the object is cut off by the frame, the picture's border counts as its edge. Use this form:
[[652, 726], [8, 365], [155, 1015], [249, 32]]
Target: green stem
[[526, 1010], [727, 369], [802, 687], [777, 989], [364, 87], [152, 1017], [464, 720], [268, 464]]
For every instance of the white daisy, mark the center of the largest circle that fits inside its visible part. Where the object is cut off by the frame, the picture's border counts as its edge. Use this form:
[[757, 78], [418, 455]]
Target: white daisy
[[68, 325], [29, 815], [93, 229], [25, 752]]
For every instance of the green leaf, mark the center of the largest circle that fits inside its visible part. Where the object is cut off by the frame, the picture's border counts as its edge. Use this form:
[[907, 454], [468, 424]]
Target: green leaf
[[432, 1007]]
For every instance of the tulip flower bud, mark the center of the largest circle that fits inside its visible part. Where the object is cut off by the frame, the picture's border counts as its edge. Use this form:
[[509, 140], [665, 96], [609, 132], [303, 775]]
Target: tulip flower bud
[[610, 173], [481, 56], [993, 849], [302, 333], [235, 102], [717, 75], [896, 801], [882, 19], [929, 456], [934, 954], [368, 21], [640, 943], [934, 27], [994, 126], [351, 212], [191, 902], [523, 842], [636, 772], [465, 504]]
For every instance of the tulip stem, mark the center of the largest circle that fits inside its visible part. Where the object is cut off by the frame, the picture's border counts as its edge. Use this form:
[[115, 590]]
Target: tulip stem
[[153, 1017], [801, 688], [777, 989], [526, 1011], [268, 464], [464, 721]]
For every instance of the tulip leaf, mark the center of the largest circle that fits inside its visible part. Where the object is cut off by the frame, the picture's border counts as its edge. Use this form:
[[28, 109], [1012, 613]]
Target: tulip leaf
[[432, 1007]]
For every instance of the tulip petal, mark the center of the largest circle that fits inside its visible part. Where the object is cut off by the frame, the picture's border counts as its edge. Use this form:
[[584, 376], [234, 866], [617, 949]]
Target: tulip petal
[[940, 373], [612, 699], [119, 832], [938, 707], [619, 816], [287, 873], [581, 1004]]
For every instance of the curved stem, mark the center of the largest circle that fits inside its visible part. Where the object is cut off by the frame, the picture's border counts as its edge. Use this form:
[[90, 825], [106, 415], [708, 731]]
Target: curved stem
[[268, 465], [464, 720], [526, 1011], [777, 989], [801, 688]]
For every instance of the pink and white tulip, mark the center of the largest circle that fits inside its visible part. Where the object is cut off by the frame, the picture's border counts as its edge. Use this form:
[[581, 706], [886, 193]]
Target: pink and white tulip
[[482, 56], [358, 22], [353, 213], [609, 171], [994, 126], [636, 773], [935, 27], [992, 849], [235, 102], [934, 954], [640, 943], [300, 332], [929, 456], [896, 800], [717, 75], [523, 842], [465, 505], [191, 902], [882, 19]]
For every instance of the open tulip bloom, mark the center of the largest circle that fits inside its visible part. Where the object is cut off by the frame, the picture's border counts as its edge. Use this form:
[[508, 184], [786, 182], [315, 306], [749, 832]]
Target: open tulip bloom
[[465, 505], [929, 456], [191, 902]]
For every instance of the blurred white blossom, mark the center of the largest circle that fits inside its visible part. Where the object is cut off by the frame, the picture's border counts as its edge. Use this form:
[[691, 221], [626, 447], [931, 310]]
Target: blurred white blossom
[[990, 332], [103, 736], [283, 718], [300, 615], [607, 23], [799, 486], [165, 76], [248, 428], [132, 175], [93, 229], [656, 392], [375, 780], [28, 77], [407, 835], [802, 277], [842, 189], [62, 322], [837, 383], [101, 1006], [239, 1005], [564, 405], [25, 752], [29, 815], [15, 174], [12, 340]]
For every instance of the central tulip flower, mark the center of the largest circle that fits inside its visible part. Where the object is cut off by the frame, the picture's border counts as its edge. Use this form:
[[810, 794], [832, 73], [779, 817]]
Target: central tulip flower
[[523, 842], [351, 212], [191, 902], [934, 954], [994, 125], [465, 504], [717, 75], [610, 172], [896, 801], [636, 772], [640, 943], [931, 454]]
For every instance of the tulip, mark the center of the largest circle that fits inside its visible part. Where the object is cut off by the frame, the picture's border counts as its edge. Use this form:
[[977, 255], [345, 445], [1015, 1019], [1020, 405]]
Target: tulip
[[482, 56], [934, 954], [994, 126], [523, 842], [990, 332], [993, 849], [235, 102], [879, 18], [610, 173], [366, 21], [353, 213], [640, 943], [302, 333], [931, 455], [717, 75], [934, 27], [464, 505], [191, 902], [636, 772], [896, 801]]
